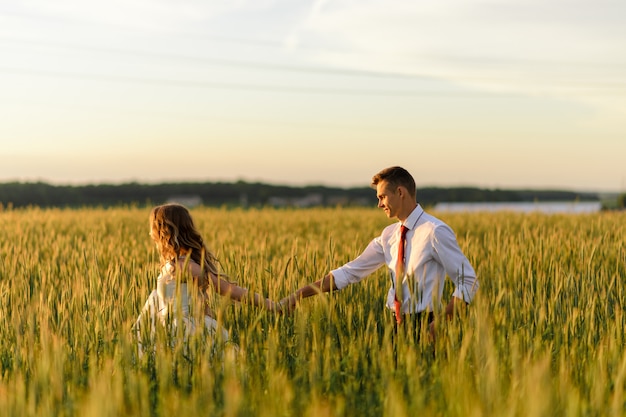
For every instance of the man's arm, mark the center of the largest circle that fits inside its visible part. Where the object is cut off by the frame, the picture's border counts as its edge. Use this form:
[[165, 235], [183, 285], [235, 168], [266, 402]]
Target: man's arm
[[372, 258], [456, 264], [454, 306], [325, 284]]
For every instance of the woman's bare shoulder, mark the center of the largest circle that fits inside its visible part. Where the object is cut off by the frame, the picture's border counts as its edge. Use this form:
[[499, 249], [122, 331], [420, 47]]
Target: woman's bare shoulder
[[191, 266]]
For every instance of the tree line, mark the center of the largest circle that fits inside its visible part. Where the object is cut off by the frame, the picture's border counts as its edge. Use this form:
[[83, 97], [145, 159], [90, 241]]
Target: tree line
[[241, 193]]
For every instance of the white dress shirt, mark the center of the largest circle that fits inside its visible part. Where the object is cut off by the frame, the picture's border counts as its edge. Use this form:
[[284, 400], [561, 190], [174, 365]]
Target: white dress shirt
[[431, 253]]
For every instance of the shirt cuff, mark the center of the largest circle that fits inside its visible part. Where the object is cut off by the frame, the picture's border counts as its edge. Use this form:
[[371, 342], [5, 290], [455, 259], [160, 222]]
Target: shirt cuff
[[340, 278], [463, 294]]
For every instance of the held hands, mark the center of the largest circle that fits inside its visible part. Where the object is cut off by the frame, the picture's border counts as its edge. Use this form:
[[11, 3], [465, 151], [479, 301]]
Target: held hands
[[280, 307], [288, 304], [285, 306], [270, 305]]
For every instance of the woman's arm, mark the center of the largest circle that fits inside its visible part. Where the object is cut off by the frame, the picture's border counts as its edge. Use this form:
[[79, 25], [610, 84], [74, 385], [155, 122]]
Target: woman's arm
[[233, 291], [237, 293]]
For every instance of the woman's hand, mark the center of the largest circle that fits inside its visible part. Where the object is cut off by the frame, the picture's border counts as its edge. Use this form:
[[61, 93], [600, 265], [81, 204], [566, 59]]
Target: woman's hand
[[288, 304], [273, 306]]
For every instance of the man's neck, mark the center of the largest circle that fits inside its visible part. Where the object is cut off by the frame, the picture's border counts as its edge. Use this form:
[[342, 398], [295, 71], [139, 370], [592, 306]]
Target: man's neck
[[407, 212]]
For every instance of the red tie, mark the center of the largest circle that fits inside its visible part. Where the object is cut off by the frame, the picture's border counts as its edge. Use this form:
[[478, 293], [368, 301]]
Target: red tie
[[400, 274]]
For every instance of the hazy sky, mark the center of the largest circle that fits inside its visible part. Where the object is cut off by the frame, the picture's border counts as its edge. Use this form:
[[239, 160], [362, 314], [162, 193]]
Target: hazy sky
[[498, 93]]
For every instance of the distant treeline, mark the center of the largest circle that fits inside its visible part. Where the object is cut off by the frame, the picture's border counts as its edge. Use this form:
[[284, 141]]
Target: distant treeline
[[21, 194]]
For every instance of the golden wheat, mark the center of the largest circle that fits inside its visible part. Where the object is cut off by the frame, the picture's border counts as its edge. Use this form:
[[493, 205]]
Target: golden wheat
[[545, 335]]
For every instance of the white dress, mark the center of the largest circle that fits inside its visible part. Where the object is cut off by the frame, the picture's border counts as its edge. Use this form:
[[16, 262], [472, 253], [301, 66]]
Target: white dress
[[162, 307]]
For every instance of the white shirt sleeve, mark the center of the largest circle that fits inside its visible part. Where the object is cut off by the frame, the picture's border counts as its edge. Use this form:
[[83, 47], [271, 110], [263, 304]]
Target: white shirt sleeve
[[366, 263], [456, 265]]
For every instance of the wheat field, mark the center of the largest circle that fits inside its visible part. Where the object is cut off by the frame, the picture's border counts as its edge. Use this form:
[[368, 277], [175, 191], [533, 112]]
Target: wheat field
[[545, 335]]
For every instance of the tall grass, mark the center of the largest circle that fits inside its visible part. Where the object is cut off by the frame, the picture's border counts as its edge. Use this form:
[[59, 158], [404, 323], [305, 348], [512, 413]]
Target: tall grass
[[545, 335]]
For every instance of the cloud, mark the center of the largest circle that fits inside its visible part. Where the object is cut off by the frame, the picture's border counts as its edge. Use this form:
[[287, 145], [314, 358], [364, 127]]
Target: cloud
[[138, 14], [561, 48]]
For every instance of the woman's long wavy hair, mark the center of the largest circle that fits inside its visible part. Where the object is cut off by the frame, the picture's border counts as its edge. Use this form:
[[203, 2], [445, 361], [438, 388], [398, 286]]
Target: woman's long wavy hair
[[173, 230]]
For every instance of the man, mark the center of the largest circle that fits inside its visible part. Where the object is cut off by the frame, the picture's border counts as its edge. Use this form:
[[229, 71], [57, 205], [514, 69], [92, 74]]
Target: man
[[429, 248]]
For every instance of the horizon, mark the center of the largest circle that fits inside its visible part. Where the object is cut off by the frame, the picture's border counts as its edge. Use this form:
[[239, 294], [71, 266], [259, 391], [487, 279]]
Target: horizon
[[291, 185]]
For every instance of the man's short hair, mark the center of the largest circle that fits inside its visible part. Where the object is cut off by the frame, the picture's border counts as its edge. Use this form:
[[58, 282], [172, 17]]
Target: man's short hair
[[395, 176]]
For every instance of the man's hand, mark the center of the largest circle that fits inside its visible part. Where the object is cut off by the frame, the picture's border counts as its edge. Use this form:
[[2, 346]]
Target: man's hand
[[272, 306], [324, 285], [454, 306], [288, 304]]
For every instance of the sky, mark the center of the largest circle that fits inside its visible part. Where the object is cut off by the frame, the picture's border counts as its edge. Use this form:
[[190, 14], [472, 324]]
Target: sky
[[488, 93]]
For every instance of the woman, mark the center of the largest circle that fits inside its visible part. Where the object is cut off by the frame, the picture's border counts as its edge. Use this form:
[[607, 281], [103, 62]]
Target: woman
[[188, 272]]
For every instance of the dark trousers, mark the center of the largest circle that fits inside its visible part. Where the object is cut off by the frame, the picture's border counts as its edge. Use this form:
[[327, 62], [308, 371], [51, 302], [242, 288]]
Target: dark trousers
[[410, 330], [412, 325]]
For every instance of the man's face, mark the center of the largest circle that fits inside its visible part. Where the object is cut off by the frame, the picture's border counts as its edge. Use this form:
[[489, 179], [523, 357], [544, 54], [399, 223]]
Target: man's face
[[388, 199]]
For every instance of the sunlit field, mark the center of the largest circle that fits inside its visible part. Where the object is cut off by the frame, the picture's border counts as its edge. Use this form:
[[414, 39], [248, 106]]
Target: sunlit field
[[545, 335]]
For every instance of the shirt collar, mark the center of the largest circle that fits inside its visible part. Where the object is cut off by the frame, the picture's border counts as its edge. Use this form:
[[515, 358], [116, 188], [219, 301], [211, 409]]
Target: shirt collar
[[415, 215]]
